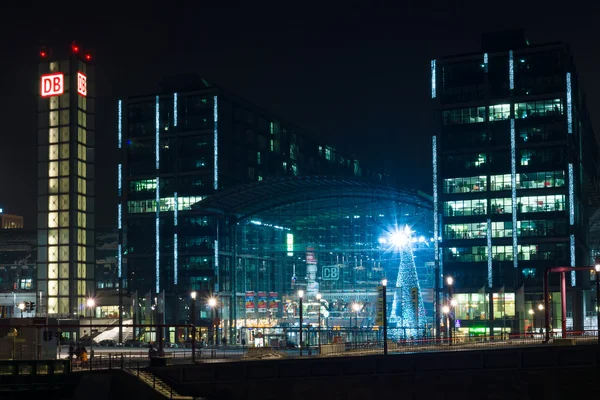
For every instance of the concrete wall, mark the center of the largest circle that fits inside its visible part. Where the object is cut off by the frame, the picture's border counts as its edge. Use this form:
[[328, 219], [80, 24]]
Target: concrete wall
[[548, 373]]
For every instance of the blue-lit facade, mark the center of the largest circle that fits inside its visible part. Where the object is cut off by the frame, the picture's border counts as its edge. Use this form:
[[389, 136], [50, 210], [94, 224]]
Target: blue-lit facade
[[515, 174], [180, 147]]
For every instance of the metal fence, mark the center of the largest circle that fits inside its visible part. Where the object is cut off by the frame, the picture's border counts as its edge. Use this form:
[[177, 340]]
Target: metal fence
[[136, 360]]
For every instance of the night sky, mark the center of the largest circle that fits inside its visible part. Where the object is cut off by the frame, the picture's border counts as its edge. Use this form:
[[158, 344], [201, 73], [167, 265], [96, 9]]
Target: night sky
[[358, 77]]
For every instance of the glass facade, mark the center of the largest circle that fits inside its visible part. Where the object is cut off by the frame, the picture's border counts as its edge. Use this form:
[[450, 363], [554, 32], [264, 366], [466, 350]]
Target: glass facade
[[179, 149], [505, 158]]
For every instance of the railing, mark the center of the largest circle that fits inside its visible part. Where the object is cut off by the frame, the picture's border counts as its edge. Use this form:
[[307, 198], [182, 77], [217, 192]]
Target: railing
[[134, 361]]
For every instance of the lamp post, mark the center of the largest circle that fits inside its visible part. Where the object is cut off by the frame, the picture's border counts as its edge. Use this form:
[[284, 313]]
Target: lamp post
[[319, 316], [384, 300], [91, 303], [449, 284], [597, 268], [212, 302], [300, 295], [453, 304], [21, 307], [193, 321], [531, 312], [446, 311]]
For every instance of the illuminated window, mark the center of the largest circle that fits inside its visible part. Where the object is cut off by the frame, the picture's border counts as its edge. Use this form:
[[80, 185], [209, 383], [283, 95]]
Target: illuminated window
[[53, 169], [499, 112], [460, 208], [539, 180], [541, 108], [464, 116], [53, 203], [502, 253], [53, 135], [501, 205], [549, 203], [465, 185], [534, 228], [502, 229], [466, 254], [476, 230], [500, 182], [64, 151], [544, 251]]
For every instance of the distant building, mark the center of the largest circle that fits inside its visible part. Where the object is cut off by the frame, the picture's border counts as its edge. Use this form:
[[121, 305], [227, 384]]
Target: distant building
[[515, 164], [9, 221]]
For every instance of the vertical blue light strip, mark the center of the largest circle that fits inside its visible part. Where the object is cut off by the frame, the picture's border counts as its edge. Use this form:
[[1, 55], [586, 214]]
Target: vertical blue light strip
[[217, 259], [572, 251], [489, 250], [511, 69], [569, 105], [485, 62], [433, 79], [120, 216], [174, 109], [571, 195], [119, 262], [157, 222], [157, 244], [216, 143], [435, 195], [436, 218], [572, 219], [120, 191], [175, 239], [513, 186], [120, 124], [120, 179]]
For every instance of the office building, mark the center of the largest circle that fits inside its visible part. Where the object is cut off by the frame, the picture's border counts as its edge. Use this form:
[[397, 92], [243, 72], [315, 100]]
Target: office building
[[193, 140], [515, 167], [66, 122]]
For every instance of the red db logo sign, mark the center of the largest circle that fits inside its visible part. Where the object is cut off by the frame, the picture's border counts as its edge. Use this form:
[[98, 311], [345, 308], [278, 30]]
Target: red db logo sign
[[81, 84], [53, 84]]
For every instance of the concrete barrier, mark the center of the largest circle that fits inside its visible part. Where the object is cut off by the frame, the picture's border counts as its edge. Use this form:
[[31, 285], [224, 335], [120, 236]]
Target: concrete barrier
[[334, 348]]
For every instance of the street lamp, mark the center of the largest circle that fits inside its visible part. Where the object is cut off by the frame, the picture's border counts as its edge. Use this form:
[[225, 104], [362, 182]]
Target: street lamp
[[446, 311], [91, 303], [21, 307], [449, 284], [356, 309], [597, 268], [384, 311], [300, 296], [212, 303], [541, 307], [319, 316], [193, 321]]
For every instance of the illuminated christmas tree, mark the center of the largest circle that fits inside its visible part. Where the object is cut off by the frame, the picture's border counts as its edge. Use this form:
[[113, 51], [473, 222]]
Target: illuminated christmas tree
[[408, 310]]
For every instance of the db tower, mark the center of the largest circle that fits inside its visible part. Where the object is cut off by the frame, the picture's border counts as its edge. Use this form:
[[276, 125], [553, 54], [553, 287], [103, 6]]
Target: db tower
[[66, 130]]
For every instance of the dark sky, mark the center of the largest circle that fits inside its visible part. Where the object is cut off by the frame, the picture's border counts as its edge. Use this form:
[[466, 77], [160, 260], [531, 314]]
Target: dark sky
[[356, 76]]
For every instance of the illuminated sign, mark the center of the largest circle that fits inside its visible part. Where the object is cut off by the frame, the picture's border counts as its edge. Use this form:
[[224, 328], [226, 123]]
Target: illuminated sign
[[52, 84], [81, 84]]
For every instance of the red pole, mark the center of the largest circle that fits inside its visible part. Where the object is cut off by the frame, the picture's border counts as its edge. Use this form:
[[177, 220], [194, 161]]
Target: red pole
[[547, 304], [563, 302]]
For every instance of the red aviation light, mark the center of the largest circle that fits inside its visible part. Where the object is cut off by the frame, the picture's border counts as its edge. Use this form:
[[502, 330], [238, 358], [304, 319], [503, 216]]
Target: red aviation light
[[43, 54], [75, 48], [88, 57]]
